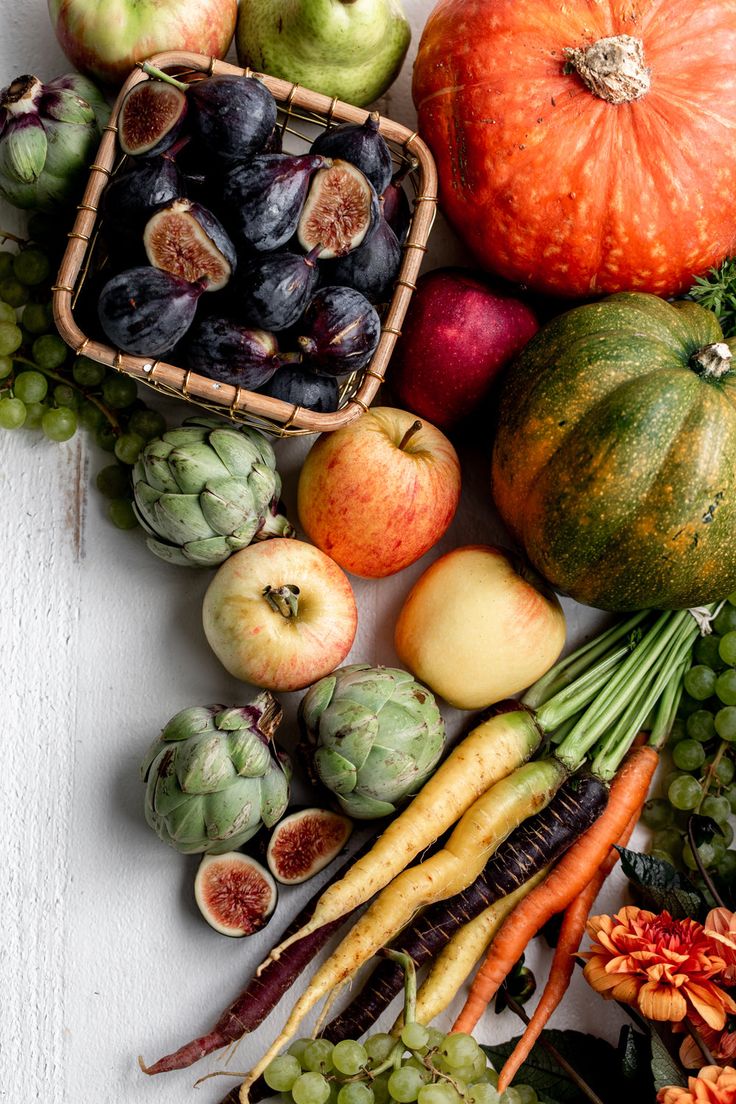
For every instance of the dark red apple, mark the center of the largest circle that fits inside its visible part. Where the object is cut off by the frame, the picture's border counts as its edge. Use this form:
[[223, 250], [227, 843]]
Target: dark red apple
[[459, 332]]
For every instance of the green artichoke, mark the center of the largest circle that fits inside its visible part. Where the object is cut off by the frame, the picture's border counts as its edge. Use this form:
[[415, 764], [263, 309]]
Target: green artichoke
[[206, 490], [214, 777], [374, 736], [49, 134]]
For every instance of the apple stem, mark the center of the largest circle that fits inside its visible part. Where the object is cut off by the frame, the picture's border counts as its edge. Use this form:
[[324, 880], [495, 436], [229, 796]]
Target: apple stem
[[283, 599], [413, 428]]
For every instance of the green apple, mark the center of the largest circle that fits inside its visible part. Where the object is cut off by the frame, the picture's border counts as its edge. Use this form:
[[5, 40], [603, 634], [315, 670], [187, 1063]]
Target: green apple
[[352, 49]]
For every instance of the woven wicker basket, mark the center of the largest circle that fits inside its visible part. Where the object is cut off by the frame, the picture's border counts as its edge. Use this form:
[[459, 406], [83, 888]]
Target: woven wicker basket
[[301, 115]]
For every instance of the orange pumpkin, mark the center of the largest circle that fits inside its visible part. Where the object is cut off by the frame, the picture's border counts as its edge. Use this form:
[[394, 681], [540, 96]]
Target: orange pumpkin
[[587, 146]]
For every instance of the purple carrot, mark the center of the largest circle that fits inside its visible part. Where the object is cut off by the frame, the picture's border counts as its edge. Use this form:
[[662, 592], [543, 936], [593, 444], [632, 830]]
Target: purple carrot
[[533, 845], [261, 994]]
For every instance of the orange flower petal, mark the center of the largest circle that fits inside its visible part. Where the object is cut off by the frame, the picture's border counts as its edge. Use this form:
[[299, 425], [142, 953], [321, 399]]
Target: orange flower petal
[[707, 1004], [660, 1002]]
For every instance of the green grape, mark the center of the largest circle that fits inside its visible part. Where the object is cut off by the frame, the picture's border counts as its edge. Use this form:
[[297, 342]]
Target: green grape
[[688, 755], [684, 792], [726, 620], [700, 682], [90, 415], [727, 830], [705, 852], [481, 1092], [113, 481], [725, 769], [119, 391], [49, 352], [297, 1048], [718, 808], [730, 794], [725, 723], [147, 423], [310, 1088], [727, 648], [699, 726], [30, 387], [404, 1084], [7, 313], [439, 1093], [349, 1057], [6, 367], [31, 266], [282, 1072], [525, 1094], [128, 447], [34, 415], [64, 395], [88, 373], [356, 1092], [718, 844], [6, 264], [418, 1064], [37, 318], [11, 338], [414, 1036], [12, 413], [726, 686], [317, 1056], [727, 866], [121, 513], [105, 437], [380, 1088], [378, 1047], [663, 856], [59, 424], [687, 705], [13, 292], [668, 840], [436, 1038], [678, 731], [459, 1049]]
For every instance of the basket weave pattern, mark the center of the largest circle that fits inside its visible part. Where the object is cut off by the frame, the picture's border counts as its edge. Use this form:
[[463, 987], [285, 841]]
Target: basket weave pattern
[[301, 114]]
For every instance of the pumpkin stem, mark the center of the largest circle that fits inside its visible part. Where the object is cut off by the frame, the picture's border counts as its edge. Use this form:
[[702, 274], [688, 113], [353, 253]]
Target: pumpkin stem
[[712, 361], [611, 68]]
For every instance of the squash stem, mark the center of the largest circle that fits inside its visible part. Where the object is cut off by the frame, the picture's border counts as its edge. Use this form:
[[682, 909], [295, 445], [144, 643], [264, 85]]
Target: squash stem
[[568, 669]]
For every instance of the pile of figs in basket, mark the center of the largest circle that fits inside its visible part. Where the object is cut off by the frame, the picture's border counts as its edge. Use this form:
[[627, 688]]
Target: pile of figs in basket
[[254, 267]]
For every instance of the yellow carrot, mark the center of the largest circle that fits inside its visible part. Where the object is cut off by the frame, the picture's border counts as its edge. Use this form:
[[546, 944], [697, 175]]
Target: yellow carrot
[[488, 753], [456, 961], [486, 823]]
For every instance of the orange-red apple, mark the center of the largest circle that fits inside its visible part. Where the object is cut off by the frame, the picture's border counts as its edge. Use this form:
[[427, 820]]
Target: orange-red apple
[[378, 493], [478, 626]]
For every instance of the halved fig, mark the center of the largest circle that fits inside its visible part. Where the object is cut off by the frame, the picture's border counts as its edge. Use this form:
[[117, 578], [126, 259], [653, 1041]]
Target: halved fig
[[361, 144], [341, 331], [235, 894], [187, 240], [265, 197], [151, 117], [340, 211], [306, 842]]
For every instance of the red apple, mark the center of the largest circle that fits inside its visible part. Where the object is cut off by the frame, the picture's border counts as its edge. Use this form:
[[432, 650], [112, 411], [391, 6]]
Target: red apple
[[478, 626], [105, 38], [378, 493], [458, 334], [280, 614]]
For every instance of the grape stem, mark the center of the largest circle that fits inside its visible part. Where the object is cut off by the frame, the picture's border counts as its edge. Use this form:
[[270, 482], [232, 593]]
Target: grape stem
[[710, 774], [5, 235], [554, 1053], [114, 423], [699, 863]]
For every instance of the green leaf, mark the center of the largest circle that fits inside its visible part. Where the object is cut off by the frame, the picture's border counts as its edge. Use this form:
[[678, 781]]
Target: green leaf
[[665, 1070], [660, 886], [704, 828], [595, 1060], [635, 1054]]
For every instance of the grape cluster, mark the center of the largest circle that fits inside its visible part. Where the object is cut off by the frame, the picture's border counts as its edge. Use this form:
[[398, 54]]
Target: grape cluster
[[43, 386], [703, 749], [422, 1065]]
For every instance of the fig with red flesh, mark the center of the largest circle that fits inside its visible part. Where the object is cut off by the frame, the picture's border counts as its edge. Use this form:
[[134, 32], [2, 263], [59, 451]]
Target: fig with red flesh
[[264, 198], [231, 353], [146, 311], [300, 387], [235, 894], [341, 331], [273, 290], [340, 211], [305, 842], [187, 240], [151, 118], [362, 145], [371, 268]]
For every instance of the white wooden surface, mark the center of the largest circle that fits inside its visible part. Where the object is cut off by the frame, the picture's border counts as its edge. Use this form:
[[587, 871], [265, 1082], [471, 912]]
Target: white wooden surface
[[103, 954]]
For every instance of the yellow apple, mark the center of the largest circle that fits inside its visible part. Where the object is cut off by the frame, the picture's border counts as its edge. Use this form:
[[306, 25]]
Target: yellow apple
[[378, 493], [478, 626]]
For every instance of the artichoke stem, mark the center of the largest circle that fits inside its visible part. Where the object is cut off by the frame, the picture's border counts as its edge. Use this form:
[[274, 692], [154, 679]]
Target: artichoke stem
[[283, 599], [275, 525]]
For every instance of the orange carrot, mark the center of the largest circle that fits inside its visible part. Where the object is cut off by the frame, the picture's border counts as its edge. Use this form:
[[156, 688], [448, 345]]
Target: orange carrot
[[563, 962], [565, 882]]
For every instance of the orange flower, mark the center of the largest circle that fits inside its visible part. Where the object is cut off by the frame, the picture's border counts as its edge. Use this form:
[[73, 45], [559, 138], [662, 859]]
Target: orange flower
[[720, 924], [664, 967], [721, 1044], [713, 1085]]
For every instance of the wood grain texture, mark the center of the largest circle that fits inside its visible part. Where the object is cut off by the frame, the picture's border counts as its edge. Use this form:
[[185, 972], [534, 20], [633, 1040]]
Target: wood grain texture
[[103, 953]]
